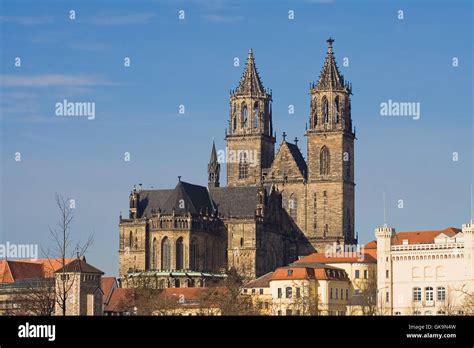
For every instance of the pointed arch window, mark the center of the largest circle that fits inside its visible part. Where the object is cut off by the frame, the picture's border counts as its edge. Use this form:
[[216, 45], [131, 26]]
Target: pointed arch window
[[324, 163], [165, 254], [255, 115], [325, 110], [154, 254], [234, 120], [244, 115], [336, 110], [130, 240], [179, 254], [193, 255], [315, 112], [243, 166]]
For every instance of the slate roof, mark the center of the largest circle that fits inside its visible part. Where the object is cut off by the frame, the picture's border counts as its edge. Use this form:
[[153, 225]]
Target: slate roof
[[152, 199], [250, 83], [236, 201], [330, 77]]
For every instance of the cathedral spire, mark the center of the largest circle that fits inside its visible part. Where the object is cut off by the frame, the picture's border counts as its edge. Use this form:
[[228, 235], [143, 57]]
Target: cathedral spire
[[331, 78], [250, 83], [213, 168]]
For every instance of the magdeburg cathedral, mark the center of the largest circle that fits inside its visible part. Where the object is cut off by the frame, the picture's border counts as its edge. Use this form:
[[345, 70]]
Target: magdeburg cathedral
[[274, 208]]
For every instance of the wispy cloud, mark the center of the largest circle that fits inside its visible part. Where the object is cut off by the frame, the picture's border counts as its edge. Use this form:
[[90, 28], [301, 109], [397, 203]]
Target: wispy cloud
[[28, 21], [48, 80], [111, 20], [222, 18]]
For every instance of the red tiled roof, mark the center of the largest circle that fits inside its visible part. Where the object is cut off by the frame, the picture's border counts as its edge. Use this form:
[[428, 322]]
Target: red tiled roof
[[366, 257], [293, 273], [121, 300], [422, 237], [107, 285], [13, 270]]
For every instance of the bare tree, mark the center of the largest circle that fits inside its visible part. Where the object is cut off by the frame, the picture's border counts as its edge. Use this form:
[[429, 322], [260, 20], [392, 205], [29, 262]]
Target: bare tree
[[62, 240], [36, 297]]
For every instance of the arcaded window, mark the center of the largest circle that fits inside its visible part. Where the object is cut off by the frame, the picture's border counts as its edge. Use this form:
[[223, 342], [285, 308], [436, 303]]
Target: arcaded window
[[325, 110], [165, 254], [244, 116], [324, 162], [336, 110]]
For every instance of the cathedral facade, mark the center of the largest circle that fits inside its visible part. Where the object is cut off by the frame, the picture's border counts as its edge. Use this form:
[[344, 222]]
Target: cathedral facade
[[274, 207]]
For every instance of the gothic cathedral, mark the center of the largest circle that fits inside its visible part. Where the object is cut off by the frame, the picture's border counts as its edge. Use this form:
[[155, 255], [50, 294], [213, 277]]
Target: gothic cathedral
[[274, 208]]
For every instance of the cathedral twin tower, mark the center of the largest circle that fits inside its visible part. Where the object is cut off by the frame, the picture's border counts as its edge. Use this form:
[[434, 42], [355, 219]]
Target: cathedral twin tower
[[318, 193], [274, 208]]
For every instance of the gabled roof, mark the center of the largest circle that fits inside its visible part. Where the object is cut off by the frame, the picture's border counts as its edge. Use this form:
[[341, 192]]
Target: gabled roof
[[15, 270], [261, 282], [187, 197], [330, 77], [295, 160], [79, 266], [108, 284], [422, 237], [151, 200], [250, 83]]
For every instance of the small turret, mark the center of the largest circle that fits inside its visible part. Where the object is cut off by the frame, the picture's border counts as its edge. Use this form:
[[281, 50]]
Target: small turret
[[134, 197], [213, 168]]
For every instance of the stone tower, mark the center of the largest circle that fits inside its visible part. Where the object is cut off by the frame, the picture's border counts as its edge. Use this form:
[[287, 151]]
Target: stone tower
[[384, 269], [250, 144], [213, 169], [330, 159]]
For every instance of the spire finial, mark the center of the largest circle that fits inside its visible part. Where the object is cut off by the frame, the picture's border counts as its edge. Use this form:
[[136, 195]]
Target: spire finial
[[284, 136], [296, 141], [179, 178], [330, 41]]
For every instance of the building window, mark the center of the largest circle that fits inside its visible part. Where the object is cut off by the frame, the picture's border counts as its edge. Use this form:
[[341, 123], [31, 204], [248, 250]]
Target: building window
[[441, 293], [179, 254], [261, 291], [266, 305], [290, 272], [347, 294], [193, 255], [245, 291], [289, 292], [398, 313], [243, 166], [416, 313], [253, 291], [325, 110], [324, 161], [387, 297], [416, 294], [298, 293], [279, 292], [279, 312], [330, 293], [387, 273], [337, 293], [357, 274], [244, 116], [289, 312], [336, 110], [255, 115], [366, 274], [429, 293], [165, 254]]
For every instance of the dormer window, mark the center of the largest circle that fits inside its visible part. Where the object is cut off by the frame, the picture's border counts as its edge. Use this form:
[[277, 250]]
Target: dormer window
[[290, 272]]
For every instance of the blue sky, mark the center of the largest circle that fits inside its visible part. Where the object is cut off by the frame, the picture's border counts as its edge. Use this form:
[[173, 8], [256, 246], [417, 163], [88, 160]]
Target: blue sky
[[190, 62]]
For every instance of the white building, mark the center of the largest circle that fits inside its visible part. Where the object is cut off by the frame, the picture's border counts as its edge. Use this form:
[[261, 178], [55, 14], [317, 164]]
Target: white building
[[425, 272]]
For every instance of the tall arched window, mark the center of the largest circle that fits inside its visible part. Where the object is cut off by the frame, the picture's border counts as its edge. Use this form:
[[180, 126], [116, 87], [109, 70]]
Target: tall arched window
[[243, 165], [234, 120], [336, 110], [315, 112], [165, 254], [429, 293], [130, 240], [244, 115], [325, 110], [179, 254], [255, 115], [193, 254], [324, 161], [154, 254]]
